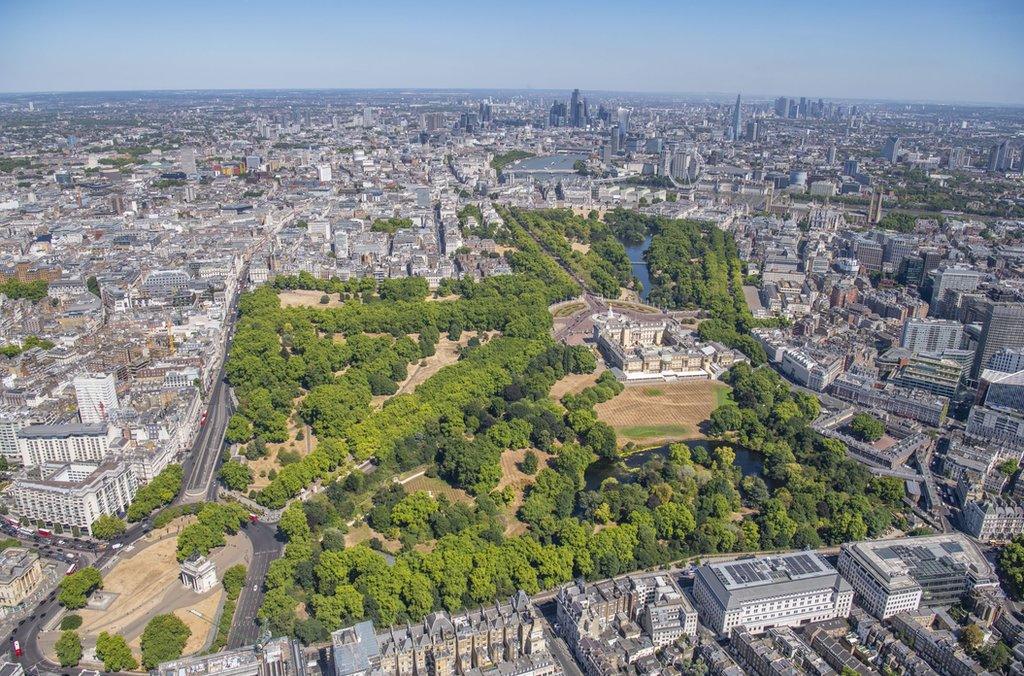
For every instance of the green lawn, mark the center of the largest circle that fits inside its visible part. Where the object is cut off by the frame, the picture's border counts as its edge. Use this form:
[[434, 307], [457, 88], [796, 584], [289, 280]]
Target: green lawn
[[653, 392], [648, 431], [722, 395]]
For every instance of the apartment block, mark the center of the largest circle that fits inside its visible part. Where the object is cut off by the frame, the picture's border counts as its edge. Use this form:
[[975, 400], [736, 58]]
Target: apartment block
[[73, 495]]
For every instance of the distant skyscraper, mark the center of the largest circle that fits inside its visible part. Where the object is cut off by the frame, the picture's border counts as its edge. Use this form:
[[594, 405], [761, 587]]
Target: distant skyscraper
[[875, 207], [575, 108], [753, 130], [188, 161], [368, 120], [324, 173], [623, 120], [1002, 327], [736, 120], [831, 155], [557, 115], [851, 167], [485, 112], [433, 121], [891, 150], [96, 396], [957, 158], [999, 157], [782, 107]]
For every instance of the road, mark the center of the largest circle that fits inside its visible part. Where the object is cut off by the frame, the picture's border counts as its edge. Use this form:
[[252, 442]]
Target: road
[[265, 548], [200, 469], [201, 465]]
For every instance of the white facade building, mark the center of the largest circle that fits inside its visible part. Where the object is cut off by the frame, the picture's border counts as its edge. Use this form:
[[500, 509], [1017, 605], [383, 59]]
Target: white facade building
[[73, 442], [97, 397], [775, 591], [73, 495]]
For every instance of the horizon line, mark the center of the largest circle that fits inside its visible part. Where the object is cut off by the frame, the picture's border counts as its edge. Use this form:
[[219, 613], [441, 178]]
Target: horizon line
[[757, 97]]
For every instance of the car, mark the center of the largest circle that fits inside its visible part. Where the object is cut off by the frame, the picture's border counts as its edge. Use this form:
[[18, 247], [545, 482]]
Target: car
[[255, 587]]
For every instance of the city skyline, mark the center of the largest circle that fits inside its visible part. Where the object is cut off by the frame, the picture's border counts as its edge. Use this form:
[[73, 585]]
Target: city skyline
[[877, 53]]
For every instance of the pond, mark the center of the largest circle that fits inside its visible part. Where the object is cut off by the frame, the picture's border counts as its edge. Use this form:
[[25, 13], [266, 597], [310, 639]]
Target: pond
[[636, 259], [750, 462]]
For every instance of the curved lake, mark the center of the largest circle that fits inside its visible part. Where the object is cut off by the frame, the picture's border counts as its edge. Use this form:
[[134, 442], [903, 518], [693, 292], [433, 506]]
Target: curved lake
[[750, 462], [636, 259]]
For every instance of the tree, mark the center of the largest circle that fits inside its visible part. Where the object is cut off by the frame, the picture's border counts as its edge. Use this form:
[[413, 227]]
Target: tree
[[75, 588], [1011, 567], [234, 580], [163, 640], [93, 285], [1009, 467], [108, 527], [971, 637], [995, 657], [69, 648], [198, 538], [311, 631], [239, 429], [867, 427], [235, 475], [70, 621], [115, 653], [530, 463], [157, 493]]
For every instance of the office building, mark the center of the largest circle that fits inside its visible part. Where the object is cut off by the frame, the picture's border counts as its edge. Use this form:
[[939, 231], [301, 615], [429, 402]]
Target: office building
[[958, 158], [12, 421], [782, 107], [20, 574], [930, 373], [951, 278], [277, 657], [991, 519], [999, 157], [187, 159], [875, 207], [931, 335], [71, 442], [72, 496], [1003, 391], [1007, 360], [1002, 327], [324, 173], [97, 397], [865, 390], [757, 594], [891, 149], [894, 576], [813, 370], [998, 426], [736, 120]]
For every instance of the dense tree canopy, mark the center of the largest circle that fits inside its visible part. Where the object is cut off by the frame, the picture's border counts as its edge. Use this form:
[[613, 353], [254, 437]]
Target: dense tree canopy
[[163, 640]]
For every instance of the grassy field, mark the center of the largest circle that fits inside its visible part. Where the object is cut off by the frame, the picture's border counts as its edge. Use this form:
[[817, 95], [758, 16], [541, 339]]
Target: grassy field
[[648, 414], [568, 310], [512, 476], [437, 487], [641, 432], [306, 298]]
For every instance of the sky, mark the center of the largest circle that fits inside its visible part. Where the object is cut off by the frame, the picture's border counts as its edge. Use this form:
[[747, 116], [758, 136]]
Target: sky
[[907, 50]]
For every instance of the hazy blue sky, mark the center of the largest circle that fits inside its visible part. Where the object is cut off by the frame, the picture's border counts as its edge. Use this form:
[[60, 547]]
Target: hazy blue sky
[[966, 50]]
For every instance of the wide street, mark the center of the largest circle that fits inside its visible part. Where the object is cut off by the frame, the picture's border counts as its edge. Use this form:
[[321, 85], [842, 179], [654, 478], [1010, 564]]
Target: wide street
[[265, 548]]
